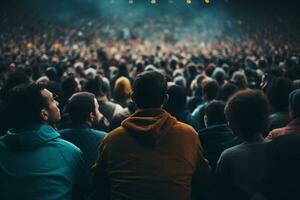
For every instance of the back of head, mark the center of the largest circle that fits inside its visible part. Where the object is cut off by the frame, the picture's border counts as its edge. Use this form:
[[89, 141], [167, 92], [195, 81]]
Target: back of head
[[15, 78], [240, 79], [80, 105], [247, 112], [180, 80], [278, 92], [210, 69], [122, 88], [123, 69], [192, 69], [210, 89], [227, 91], [23, 104], [149, 90], [219, 75], [294, 103], [177, 99], [69, 86], [51, 73], [95, 86], [214, 112]]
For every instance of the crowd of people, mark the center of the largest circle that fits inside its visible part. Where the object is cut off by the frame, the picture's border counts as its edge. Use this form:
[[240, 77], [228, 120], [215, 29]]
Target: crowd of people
[[111, 109]]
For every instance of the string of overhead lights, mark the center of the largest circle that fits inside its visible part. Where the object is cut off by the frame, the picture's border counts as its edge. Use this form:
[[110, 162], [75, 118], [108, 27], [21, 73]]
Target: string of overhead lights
[[170, 1]]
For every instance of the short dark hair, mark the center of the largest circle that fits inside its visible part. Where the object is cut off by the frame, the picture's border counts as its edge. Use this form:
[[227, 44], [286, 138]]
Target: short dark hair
[[215, 112], [149, 89], [14, 78], [227, 91], [69, 85], [95, 86], [23, 104], [177, 99], [278, 92], [80, 105], [210, 89], [247, 111]]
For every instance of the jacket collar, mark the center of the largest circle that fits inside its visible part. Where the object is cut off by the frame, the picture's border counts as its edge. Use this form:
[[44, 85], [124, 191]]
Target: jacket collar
[[80, 126], [30, 137]]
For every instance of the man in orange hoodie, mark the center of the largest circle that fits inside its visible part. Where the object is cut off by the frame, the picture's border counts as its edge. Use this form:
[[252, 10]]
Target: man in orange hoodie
[[151, 155]]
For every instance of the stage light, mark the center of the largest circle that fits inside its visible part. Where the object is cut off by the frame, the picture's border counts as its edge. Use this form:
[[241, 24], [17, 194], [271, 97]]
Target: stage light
[[153, 1], [206, 1], [188, 1]]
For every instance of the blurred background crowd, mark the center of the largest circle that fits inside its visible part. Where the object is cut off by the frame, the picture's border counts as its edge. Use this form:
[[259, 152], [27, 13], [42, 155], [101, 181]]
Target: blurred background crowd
[[207, 53]]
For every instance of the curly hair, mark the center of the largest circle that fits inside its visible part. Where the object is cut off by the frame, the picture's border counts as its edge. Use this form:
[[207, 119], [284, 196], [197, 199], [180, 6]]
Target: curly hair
[[247, 112]]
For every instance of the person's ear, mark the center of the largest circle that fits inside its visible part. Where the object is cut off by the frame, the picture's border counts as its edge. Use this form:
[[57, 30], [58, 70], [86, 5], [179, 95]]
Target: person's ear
[[91, 117], [166, 99], [44, 115], [205, 121], [229, 125]]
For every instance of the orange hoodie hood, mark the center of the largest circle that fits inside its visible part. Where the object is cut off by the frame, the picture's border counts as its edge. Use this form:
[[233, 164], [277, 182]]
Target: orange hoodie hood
[[148, 126]]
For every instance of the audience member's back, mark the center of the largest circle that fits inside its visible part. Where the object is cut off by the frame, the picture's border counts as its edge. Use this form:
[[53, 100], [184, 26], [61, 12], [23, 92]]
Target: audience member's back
[[35, 162], [51, 176], [241, 168], [283, 164], [151, 156], [217, 136]]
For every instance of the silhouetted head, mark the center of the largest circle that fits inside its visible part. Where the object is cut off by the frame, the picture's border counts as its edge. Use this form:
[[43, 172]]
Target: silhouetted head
[[150, 90]]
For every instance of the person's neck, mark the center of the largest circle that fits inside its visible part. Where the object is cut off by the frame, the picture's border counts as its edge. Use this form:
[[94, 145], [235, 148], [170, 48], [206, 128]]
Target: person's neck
[[102, 98], [53, 125], [258, 138], [89, 123]]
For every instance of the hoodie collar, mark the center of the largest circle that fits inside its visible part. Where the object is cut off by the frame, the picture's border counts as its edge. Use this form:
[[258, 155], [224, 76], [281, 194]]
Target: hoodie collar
[[148, 126], [30, 137]]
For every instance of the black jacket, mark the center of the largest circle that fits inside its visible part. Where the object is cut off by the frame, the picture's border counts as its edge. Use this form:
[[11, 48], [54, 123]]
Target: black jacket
[[215, 139]]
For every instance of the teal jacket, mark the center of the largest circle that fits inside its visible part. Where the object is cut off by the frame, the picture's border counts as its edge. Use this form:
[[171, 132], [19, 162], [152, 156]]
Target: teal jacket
[[35, 163]]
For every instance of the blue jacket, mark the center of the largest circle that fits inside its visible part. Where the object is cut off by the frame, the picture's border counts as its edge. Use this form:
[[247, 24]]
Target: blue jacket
[[35, 163], [186, 117], [199, 113], [215, 139], [86, 139]]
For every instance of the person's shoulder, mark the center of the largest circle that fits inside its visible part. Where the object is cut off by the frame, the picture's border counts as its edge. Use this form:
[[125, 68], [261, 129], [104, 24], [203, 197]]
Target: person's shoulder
[[232, 151], [66, 147], [64, 132], [70, 154], [199, 109], [183, 127], [192, 119], [184, 130], [98, 134], [205, 131], [115, 134], [219, 128]]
